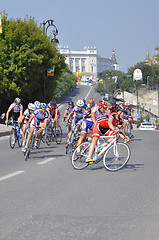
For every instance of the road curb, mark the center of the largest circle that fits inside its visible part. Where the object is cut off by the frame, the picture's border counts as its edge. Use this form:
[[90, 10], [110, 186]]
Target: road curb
[[2, 134]]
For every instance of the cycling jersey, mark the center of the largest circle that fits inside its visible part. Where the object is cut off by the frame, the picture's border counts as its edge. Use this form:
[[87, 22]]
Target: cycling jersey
[[27, 115], [129, 110], [79, 113], [16, 108], [89, 105], [96, 111], [68, 109], [101, 125], [54, 110], [111, 108], [41, 116]]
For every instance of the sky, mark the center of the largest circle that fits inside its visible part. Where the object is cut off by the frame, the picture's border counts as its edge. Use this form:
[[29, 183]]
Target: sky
[[129, 27]]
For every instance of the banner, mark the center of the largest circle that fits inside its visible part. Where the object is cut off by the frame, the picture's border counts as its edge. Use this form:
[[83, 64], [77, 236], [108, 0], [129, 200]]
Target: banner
[[50, 73], [0, 24]]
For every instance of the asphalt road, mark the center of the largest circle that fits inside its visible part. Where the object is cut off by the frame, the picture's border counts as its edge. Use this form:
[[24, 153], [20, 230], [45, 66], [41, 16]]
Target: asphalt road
[[45, 198]]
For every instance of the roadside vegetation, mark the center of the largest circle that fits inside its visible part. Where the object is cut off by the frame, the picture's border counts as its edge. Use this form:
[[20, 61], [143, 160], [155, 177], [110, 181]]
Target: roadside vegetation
[[26, 56]]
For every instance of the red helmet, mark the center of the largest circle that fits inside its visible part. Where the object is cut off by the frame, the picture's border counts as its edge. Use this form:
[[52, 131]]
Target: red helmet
[[103, 104]]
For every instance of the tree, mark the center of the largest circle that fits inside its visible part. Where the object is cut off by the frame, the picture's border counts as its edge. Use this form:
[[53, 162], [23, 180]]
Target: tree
[[26, 54]]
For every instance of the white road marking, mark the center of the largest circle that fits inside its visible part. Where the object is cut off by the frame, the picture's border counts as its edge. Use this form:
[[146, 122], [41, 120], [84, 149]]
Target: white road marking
[[46, 161], [88, 93], [11, 175]]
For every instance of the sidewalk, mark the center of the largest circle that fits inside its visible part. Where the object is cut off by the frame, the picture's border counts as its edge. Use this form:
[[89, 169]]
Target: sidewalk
[[4, 130]]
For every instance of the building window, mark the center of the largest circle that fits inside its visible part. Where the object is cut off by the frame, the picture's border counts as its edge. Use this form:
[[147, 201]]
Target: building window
[[83, 69], [71, 65], [77, 65], [83, 61]]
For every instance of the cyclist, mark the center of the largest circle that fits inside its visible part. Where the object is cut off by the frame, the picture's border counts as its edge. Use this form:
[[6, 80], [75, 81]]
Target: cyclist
[[101, 109], [91, 103], [90, 118], [112, 107], [39, 117], [17, 111], [26, 116], [78, 113], [107, 125], [129, 114], [54, 113], [68, 109]]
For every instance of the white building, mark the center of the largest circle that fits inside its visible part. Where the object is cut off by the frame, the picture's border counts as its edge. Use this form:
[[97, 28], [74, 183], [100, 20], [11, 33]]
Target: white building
[[87, 63]]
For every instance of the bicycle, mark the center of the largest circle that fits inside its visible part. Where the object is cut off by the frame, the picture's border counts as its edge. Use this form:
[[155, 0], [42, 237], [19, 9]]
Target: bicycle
[[34, 139], [115, 155], [53, 133], [72, 141], [15, 134]]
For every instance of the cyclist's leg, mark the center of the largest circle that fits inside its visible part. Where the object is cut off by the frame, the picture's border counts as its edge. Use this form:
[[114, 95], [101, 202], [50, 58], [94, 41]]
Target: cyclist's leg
[[32, 128]]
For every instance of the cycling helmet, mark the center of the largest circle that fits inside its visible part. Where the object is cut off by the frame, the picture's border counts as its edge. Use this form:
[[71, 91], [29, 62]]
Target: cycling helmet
[[80, 103], [43, 106], [83, 100], [126, 104], [37, 104], [70, 103], [52, 102], [17, 100], [91, 100], [121, 109], [31, 106], [113, 102], [103, 104]]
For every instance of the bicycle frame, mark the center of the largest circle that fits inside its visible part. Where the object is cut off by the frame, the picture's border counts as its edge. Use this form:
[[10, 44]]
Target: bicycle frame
[[109, 144]]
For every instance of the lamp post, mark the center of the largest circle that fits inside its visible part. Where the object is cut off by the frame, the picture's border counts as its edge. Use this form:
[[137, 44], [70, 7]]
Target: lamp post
[[137, 75], [46, 25]]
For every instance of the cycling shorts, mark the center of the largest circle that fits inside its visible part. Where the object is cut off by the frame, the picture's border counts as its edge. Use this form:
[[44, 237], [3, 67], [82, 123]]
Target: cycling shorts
[[86, 124], [15, 116], [98, 130], [127, 116]]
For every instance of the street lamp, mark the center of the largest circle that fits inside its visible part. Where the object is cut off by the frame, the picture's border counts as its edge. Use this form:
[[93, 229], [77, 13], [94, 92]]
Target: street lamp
[[46, 25], [50, 23]]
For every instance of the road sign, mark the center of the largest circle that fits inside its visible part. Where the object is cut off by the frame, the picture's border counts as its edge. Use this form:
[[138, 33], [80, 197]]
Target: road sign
[[137, 74]]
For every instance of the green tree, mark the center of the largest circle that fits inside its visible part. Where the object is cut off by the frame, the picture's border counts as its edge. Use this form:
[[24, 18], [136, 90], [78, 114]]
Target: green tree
[[26, 54]]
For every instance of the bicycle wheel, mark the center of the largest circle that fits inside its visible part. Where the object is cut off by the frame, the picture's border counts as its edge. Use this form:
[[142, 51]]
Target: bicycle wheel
[[48, 137], [58, 135], [20, 138], [79, 156], [71, 149], [116, 157], [12, 138]]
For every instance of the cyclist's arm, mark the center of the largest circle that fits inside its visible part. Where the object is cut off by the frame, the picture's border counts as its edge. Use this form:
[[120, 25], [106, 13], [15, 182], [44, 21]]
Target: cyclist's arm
[[93, 116], [112, 127], [7, 115], [31, 118]]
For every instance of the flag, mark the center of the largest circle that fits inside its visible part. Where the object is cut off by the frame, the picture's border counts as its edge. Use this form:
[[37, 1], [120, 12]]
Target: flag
[[0, 24]]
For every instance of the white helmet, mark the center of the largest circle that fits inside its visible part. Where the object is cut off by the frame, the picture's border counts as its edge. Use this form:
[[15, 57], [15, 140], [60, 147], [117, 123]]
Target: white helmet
[[127, 104], [31, 106], [80, 103]]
